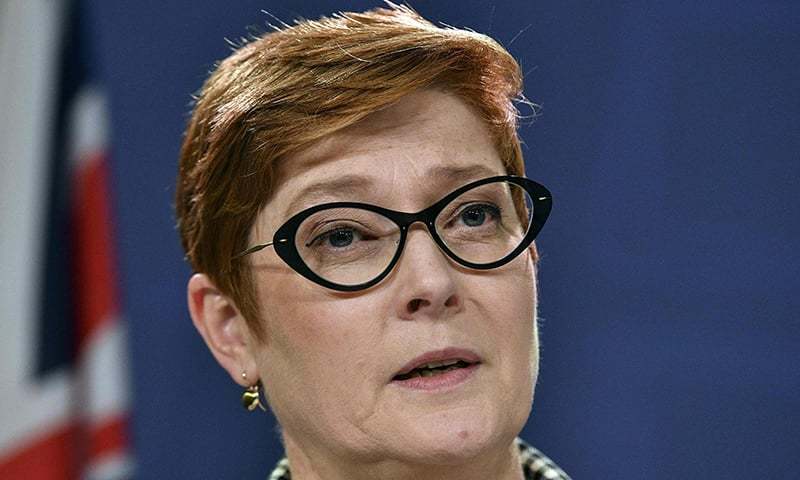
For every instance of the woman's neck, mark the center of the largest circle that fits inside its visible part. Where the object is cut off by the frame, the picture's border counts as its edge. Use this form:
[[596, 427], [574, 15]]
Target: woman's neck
[[312, 464]]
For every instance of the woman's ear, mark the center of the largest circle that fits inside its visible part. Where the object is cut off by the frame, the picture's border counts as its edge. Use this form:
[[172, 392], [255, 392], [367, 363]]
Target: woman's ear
[[222, 327]]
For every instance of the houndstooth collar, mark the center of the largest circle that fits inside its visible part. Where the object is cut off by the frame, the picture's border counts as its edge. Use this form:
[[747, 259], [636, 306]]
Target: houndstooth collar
[[535, 465]]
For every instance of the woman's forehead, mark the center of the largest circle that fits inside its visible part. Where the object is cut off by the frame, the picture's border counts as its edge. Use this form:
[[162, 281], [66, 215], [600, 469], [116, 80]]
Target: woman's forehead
[[425, 117], [428, 141]]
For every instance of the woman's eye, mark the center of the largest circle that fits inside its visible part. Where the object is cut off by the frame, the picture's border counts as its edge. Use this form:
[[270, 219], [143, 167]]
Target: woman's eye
[[336, 238], [475, 215], [340, 238]]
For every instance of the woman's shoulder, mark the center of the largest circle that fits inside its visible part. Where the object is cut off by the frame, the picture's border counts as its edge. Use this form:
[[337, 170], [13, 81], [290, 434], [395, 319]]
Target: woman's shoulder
[[535, 465]]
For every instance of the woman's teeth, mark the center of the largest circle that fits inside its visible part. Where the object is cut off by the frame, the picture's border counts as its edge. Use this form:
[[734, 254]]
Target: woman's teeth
[[433, 369], [425, 372]]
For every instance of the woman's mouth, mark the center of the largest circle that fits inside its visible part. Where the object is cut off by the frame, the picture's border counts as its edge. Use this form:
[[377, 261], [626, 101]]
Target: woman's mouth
[[438, 369], [433, 369]]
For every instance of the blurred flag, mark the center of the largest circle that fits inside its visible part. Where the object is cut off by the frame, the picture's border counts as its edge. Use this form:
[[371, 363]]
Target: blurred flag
[[63, 380]]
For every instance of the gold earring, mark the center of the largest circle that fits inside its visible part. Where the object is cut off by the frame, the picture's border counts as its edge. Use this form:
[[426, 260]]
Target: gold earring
[[251, 398]]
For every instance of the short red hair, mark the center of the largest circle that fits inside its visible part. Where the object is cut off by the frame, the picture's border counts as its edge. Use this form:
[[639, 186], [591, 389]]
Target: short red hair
[[283, 91]]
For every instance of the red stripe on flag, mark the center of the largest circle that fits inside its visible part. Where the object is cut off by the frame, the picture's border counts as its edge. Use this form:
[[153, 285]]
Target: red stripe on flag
[[52, 457], [109, 438], [95, 272], [62, 453]]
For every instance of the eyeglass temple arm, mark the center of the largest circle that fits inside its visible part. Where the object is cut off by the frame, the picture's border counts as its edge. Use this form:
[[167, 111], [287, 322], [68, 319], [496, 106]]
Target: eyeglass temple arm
[[253, 249]]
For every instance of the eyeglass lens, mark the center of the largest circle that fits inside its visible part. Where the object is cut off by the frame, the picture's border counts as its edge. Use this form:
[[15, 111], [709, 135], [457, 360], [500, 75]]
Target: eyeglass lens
[[352, 246]]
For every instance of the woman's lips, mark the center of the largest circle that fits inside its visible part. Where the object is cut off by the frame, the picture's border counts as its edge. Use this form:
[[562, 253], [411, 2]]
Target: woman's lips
[[451, 366], [446, 379]]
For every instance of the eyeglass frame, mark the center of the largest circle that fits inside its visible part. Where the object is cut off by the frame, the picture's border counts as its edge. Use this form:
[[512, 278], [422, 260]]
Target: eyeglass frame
[[283, 241]]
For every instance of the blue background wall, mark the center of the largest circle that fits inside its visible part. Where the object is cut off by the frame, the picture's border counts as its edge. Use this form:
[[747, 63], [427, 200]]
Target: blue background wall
[[670, 137]]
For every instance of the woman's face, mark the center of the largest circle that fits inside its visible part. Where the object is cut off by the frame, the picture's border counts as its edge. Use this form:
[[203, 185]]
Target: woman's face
[[329, 359]]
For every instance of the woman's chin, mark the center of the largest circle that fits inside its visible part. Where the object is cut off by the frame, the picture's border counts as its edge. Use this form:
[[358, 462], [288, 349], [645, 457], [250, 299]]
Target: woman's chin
[[453, 439]]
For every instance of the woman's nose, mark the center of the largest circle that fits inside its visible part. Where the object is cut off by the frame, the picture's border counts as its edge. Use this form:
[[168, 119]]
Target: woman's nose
[[426, 279]]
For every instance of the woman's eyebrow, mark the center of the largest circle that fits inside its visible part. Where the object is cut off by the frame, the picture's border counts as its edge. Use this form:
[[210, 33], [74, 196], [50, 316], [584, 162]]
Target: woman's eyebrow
[[347, 187], [344, 185], [461, 173]]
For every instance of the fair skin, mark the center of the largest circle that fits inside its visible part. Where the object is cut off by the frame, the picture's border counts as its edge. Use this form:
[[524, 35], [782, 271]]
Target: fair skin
[[328, 358]]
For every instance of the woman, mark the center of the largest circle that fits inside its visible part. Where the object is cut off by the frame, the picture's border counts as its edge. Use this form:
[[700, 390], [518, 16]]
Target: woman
[[388, 344]]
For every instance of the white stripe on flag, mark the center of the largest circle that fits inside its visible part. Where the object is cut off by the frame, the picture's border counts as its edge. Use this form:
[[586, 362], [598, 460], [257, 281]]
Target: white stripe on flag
[[88, 121], [104, 367], [114, 467], [29, 33]]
